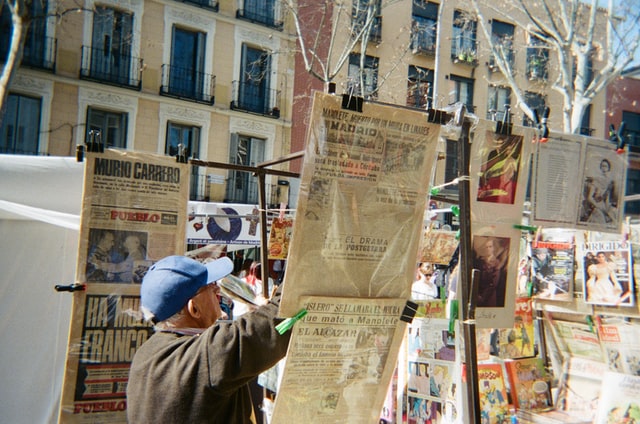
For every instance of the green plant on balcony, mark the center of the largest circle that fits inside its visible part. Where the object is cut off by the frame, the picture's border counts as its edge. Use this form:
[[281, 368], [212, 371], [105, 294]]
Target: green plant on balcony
[[466, 56]]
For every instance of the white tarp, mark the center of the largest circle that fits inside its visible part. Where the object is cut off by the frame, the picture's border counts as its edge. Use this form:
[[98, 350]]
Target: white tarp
[[39, 218]]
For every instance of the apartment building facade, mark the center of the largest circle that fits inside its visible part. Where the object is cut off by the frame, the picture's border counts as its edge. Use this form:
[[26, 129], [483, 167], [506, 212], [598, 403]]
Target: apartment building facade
[[434, 54], [151, 75]]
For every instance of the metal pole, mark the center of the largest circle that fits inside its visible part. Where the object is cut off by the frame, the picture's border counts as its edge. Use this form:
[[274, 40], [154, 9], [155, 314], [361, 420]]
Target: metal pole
[[467, 300]]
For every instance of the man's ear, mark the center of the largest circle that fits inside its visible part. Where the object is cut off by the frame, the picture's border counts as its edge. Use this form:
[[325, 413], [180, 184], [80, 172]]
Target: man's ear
[[193, 309]]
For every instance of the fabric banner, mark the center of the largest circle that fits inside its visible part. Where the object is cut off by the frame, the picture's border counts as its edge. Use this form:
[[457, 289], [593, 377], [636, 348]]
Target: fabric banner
[[133, 213]]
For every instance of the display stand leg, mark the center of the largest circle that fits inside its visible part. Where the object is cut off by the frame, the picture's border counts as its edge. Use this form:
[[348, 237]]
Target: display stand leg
[[466, 283]]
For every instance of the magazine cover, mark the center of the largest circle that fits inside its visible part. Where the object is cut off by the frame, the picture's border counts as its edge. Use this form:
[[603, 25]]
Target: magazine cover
[[580, 389], [438, 246], [619, 399], [607, 277], [494, 404], [518, 341], [552, 265], [529, 384]]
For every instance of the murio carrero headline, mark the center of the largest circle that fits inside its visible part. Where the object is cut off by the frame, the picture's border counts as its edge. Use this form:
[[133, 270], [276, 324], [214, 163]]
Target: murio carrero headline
[[136, 170]]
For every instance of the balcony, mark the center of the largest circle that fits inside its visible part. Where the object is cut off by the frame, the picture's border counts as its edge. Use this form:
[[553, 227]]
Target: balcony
[[187, 84], [509, 57], [212, 5], [537, 68], [423, 38], [243, 188], [40, 54], [109, 67], [254, 98], [260, 12]]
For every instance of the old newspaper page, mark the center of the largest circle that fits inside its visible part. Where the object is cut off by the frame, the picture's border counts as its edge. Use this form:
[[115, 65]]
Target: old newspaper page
[[363, 194], [133, 213], [341, 358]]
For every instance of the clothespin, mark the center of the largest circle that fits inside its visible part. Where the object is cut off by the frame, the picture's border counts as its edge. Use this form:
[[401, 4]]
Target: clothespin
[[529, 228], [286, 325], [352, 102], [453, 315], [504, 127], [70, 287], [409, 311], [590, 323], [618, 137], [181, 157], [541, 124]]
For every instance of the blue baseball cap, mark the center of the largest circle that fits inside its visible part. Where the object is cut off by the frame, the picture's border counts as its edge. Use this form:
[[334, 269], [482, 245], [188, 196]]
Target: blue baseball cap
[[172, 281]]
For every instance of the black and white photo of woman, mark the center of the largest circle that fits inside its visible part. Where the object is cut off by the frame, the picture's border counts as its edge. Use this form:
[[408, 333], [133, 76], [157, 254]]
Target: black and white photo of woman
[[490, 257]]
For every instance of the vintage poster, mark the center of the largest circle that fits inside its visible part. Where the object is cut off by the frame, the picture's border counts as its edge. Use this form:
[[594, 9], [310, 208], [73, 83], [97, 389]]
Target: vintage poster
[[280, 237], [433, 382], [595, 203], [499, 171], [607, 276], [555, 172], [619, 399], [620, 339], [363, 193], [518, 341], [341, 358], [529, 384], [579, 389], [232, 224], [438, 246], [552, 264], [133, 214], [603, 186], [495, 254], [492, 390]]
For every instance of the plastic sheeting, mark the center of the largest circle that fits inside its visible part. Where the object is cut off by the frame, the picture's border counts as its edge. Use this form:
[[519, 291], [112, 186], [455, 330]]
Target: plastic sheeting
[[40, 201]]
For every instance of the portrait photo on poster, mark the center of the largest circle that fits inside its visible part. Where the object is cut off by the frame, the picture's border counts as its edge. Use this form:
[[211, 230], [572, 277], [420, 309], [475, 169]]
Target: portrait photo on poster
[[603, 186], [490, 256]]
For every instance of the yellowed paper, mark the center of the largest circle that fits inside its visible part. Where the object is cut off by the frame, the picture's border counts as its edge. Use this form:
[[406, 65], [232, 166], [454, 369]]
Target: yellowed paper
[[133, 213]]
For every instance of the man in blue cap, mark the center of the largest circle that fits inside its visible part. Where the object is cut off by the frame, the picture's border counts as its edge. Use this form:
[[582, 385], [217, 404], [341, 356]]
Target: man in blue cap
[[194, 370]]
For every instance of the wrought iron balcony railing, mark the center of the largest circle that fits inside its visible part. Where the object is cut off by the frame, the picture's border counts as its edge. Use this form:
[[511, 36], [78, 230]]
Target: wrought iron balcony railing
[[185, 83], [423, 38], [40, 53], [254, 98], [260, 12], [212, 5], [110, 67]]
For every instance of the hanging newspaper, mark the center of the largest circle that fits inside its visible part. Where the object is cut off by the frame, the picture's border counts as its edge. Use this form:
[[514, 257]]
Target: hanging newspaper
[[133, 213], [355, 241], [596, 202], [363, 194]]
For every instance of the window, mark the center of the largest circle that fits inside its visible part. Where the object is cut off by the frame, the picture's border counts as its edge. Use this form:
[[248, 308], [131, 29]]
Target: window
[[367, 11], [537, 58], [189, 137], [463, 45], [367, 75], [110, 127], [20, 129], [536, 102], [111, 45], [186, 77], [424, 25], [420, 87], [632, 137], [254, 85], [242, 186], [461, 90], [498, 97], [35, 45], [261, 11], [502, 38]]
